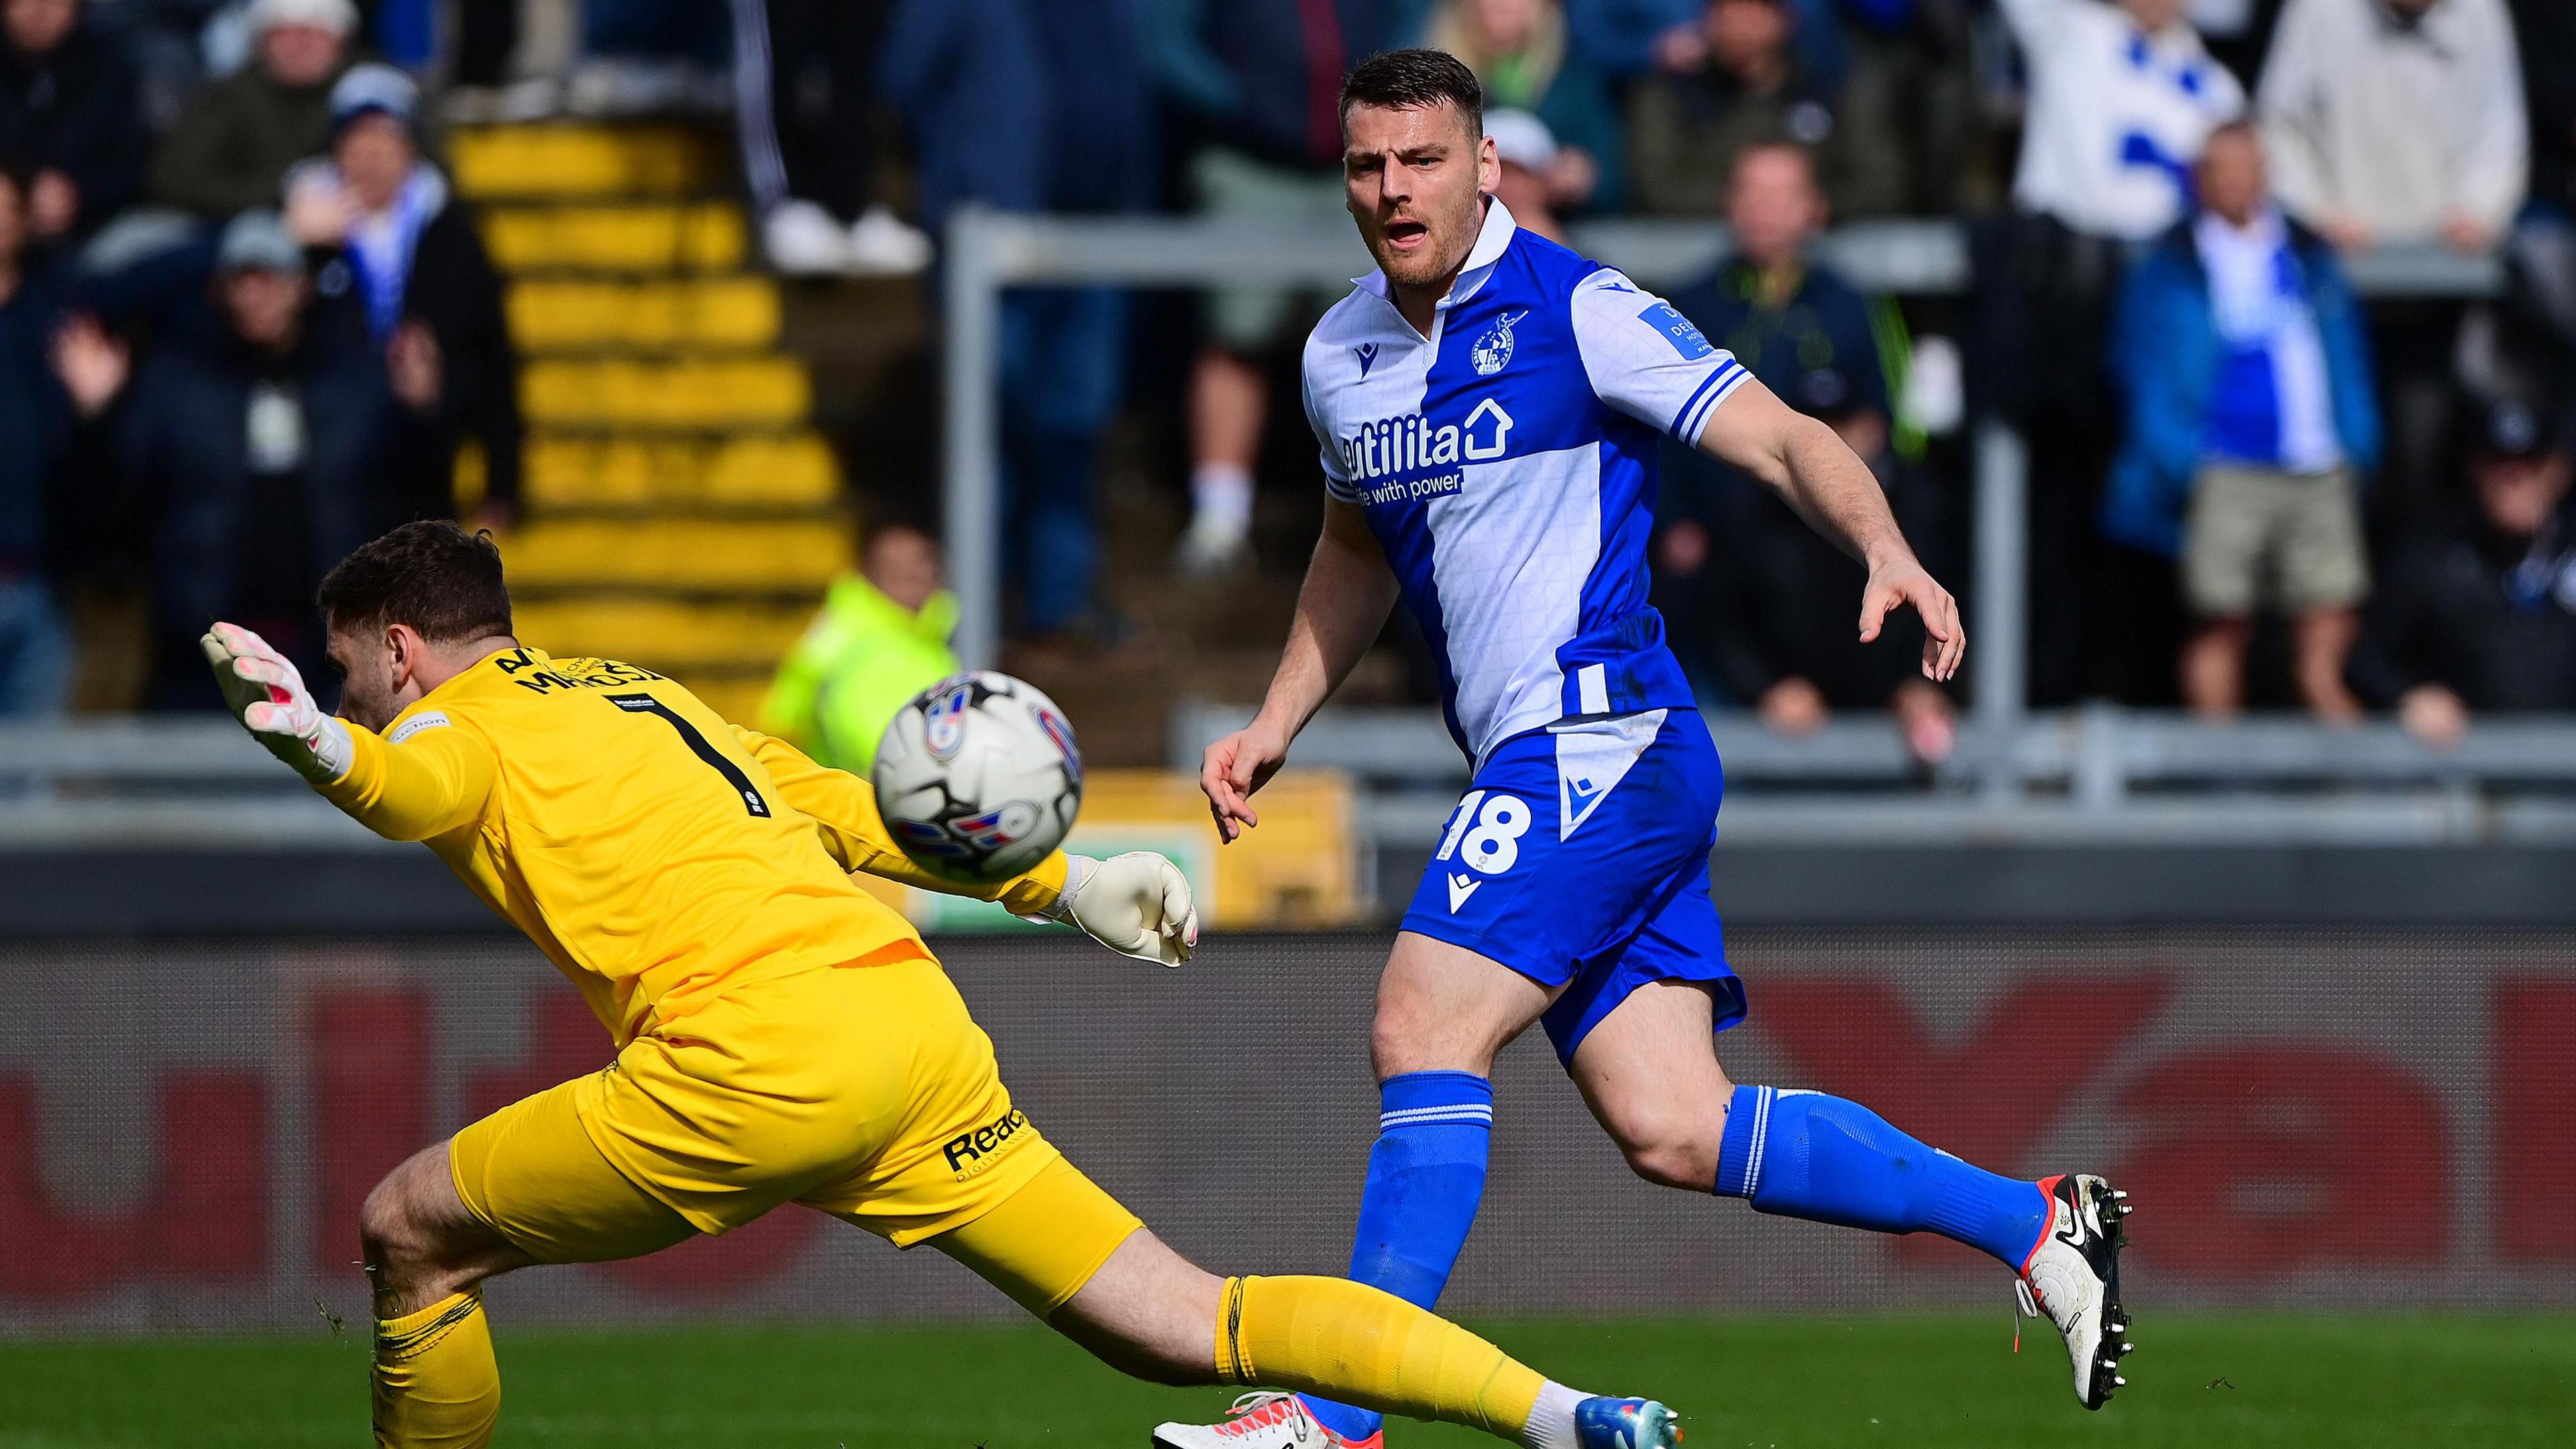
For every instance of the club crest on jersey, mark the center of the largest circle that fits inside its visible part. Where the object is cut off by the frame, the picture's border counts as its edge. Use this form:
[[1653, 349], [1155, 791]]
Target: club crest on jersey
[[943, 720], [1493, 351]]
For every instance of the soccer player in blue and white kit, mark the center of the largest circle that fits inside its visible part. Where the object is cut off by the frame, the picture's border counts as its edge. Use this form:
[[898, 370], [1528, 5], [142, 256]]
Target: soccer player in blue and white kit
[[1489, 405]]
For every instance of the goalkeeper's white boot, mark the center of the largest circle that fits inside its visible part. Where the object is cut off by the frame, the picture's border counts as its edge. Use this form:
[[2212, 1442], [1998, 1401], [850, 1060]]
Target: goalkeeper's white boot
[[1262, 1421], [2073, 1279]]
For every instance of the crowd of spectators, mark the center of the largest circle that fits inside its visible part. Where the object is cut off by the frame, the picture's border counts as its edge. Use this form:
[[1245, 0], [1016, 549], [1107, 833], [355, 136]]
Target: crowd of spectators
[[2250, 480], [233, 345]]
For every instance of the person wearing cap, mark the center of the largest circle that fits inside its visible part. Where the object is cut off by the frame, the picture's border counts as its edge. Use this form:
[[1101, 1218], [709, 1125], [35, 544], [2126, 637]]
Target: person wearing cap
[[390, 235], [1528, 155], [233, 144], [2480, 617], [1751, 585], [71, 110], [254, 451]]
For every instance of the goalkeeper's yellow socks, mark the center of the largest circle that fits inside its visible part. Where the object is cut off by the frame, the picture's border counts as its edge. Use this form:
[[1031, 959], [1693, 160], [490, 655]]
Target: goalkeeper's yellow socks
[[1361, 1345], [436, 1385]]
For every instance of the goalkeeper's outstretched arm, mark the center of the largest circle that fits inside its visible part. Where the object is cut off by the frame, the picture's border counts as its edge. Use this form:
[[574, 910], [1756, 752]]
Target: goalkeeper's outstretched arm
[[1136, 904]]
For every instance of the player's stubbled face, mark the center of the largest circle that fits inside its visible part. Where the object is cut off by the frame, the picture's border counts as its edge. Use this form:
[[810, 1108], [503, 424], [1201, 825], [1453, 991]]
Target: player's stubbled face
[[1415, 179], [366, 684]]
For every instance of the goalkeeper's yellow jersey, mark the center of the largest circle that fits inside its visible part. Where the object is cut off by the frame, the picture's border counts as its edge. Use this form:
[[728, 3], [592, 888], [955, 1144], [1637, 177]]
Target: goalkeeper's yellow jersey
[[656, 853]]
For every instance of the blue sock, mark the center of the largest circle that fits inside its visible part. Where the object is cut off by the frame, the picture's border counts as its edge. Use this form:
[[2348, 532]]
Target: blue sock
[[1808, 1155], [1425, 1176]]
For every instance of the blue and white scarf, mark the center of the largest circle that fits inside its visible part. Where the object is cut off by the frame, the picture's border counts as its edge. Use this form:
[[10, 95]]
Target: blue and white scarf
[[2272, 404], [382, 243]]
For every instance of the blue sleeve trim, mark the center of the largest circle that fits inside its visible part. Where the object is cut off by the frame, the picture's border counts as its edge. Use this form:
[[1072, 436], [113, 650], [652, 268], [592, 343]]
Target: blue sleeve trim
[[1684, 429]]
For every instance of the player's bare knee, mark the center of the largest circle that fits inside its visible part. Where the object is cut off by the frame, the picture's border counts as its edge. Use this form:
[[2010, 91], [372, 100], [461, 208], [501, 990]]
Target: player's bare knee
[[1666, 1144], [397, 1247]]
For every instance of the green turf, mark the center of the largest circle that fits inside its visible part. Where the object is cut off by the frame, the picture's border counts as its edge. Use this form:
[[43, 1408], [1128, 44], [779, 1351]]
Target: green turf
[[1911, 1380]]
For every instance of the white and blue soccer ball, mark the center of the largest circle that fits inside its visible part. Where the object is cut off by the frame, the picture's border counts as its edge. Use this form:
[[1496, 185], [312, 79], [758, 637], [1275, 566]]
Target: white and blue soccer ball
[[979, 777]]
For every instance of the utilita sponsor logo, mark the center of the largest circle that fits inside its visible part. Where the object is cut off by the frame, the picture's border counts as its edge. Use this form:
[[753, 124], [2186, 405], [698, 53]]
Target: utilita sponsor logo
[[1409, 444]]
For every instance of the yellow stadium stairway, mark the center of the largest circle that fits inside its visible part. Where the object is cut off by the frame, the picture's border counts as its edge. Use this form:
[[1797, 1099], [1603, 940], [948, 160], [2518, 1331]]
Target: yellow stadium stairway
[[680, 508]]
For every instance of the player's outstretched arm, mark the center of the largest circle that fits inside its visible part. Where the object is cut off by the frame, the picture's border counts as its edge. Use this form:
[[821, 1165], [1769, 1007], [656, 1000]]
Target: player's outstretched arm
[[431, 783], [1807, 464], [1348, 593], [1136, 904]]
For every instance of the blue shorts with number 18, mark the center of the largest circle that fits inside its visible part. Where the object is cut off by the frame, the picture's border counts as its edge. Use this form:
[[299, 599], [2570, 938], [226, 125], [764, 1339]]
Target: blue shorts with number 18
[[1579, 858]]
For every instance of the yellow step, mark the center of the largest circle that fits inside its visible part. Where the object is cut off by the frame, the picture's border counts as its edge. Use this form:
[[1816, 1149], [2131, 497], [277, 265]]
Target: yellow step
[[791, 556], [790, 470], [697, 237], [726, 312], [665, 634], [568, 161], [687, 393]]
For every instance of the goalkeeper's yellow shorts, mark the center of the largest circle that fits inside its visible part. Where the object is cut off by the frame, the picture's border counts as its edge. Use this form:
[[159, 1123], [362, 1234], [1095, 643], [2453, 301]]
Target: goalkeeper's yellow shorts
[[867, 1093]]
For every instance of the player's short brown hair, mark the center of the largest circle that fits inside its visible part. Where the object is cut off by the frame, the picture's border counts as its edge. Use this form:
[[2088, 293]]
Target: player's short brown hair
[[432, 575], [1406, 80]]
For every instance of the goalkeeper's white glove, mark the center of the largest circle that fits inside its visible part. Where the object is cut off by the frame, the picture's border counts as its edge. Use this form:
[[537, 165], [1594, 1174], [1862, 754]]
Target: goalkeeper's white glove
[[1137, 904], [268, 696]]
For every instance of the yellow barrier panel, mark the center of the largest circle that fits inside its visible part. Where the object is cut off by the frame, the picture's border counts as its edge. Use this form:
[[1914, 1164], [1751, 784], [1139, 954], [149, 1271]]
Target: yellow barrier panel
[[731, 312], [1300, 870], [762, 556], [789, 470], [734, 392], [580, 161], [700, 237]]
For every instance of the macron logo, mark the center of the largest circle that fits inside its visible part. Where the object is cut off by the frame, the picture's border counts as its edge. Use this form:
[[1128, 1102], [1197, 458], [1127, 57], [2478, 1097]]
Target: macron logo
[[1368, 356], [1461, 886]]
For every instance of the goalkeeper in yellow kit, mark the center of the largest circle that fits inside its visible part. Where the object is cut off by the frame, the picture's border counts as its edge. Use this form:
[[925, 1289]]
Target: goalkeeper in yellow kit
[[782, 1035]]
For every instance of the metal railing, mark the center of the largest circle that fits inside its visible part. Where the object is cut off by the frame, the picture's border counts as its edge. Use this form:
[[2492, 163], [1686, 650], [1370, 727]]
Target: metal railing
[[2098, 775], [988, 252]]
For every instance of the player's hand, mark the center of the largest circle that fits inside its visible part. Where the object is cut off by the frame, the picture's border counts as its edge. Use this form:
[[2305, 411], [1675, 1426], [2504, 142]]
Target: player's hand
[[268, 696], [1901, 583], [1236, 766], [1137, 904]]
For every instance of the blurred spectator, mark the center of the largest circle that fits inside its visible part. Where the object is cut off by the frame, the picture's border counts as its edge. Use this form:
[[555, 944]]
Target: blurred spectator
[[69, 109], [1037, 105], [881, 638], [2249, 391], [1763, 599], [805, 84], [2120, 97], [2483, 616], [35, 647], [1802, 329], [1519, 52], [1256, 86], [1685, 129], [235, 140], [412, 255], [1528, 156], [1903, 109], [2397, 120], [1630, 37], [253, 450]]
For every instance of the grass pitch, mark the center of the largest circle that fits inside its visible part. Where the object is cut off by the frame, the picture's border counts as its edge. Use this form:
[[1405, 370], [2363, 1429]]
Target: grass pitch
[[2350, 1381]]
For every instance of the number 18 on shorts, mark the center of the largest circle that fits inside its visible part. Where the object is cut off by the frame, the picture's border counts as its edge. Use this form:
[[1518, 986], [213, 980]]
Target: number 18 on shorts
[[1579, 858]]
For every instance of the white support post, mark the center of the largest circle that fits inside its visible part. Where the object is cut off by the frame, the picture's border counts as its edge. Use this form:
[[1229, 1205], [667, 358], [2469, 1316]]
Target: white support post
[[1999, 642], [970, 456]]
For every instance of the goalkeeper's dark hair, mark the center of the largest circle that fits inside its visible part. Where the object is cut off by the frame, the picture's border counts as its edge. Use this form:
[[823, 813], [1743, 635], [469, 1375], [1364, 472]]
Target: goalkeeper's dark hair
[[1407, 80], [432, 575]]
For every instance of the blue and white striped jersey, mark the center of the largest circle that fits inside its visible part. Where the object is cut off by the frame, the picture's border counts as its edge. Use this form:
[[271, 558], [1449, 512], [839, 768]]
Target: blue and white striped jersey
[[1507, 464]]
